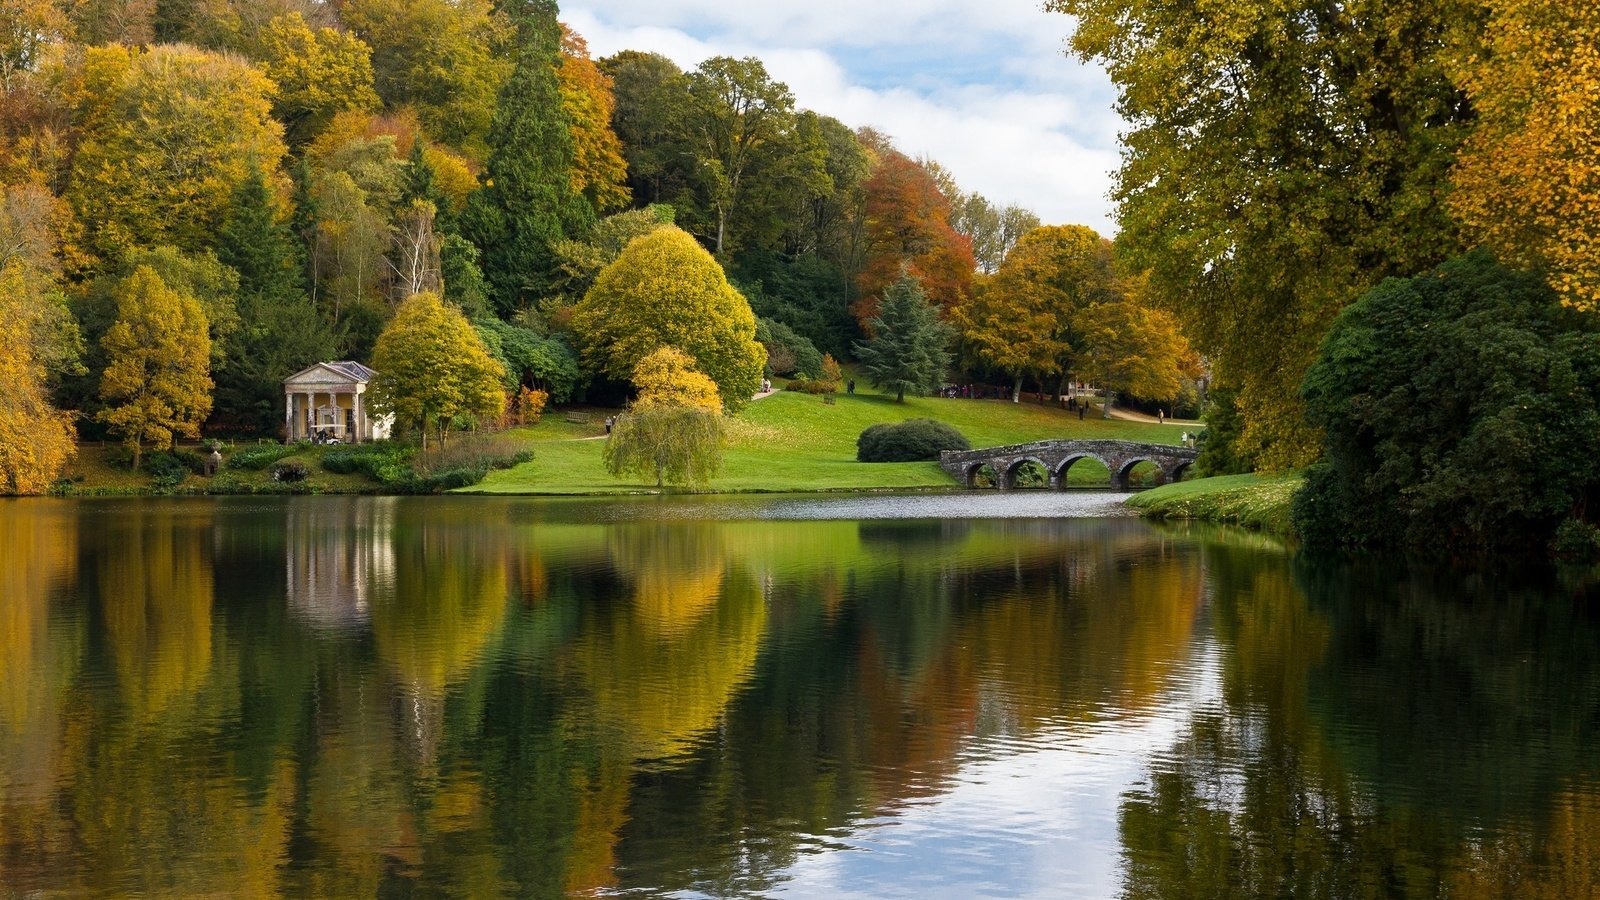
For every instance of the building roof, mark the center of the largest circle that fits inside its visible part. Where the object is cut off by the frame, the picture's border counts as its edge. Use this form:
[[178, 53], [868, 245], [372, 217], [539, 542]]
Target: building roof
[[346, 369]]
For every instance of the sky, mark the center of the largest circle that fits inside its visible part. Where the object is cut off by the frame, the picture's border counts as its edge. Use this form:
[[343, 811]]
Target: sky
[[982, 86]]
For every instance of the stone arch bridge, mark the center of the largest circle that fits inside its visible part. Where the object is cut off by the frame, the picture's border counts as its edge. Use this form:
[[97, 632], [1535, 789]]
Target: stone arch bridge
[[1058, 456]]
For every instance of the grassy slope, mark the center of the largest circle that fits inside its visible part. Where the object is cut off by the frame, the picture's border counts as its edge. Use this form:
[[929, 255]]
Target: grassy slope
[[795, 442], [1253, 501], [97, 470]]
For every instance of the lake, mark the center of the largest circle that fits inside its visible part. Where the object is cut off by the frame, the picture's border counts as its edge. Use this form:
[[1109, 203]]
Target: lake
[[1022, 695]]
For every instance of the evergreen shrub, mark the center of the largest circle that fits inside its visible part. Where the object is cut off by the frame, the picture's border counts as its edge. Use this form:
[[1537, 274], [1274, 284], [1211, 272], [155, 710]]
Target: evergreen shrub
[[914, 440]]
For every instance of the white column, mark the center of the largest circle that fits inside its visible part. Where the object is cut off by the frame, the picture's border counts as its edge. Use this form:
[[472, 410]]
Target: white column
[[288, 417]]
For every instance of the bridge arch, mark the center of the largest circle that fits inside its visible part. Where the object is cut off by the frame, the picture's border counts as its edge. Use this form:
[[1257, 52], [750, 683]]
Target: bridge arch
[[1120, 476], [1059, 473], [1015, 466], [1177, 471], [969, 475]]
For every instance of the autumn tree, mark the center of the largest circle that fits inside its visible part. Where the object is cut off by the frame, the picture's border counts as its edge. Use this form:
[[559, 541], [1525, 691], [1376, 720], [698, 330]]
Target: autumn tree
[[127, 22], [1133, 348], [168, 133], [909, 347], [1024, 320], [1528, 180], [527, 202], [907, 226], [580, 262], [317, 74], [668, 377], [36, 440], [1280, 159], [432, 368], [444, 57], [665, 290], [157, 381], [598, 169], [27, 27]]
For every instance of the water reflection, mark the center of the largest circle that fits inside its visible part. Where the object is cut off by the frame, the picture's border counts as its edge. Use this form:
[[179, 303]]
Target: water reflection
[[354, 697], [337, 552]]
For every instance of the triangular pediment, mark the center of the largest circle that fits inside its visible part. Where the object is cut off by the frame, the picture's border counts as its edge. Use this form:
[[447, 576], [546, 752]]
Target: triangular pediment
[[329, 373]]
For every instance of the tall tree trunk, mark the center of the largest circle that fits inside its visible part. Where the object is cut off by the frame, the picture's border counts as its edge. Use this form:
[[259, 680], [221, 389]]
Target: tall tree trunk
[[1016, 390], [1106, 396]]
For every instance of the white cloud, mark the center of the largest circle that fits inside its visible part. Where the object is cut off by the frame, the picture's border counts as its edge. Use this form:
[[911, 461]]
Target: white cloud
[[982, 88]]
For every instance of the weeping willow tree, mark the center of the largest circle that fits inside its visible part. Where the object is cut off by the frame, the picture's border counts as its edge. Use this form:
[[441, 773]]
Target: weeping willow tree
[[678, 444]]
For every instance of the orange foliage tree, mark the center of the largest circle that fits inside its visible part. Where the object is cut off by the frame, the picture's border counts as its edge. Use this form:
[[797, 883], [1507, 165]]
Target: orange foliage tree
[[908, 227], [598, 169]]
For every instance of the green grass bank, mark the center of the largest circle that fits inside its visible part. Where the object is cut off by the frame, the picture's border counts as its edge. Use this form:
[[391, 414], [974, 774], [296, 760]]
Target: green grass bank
[[792, 442], [1253, 501]]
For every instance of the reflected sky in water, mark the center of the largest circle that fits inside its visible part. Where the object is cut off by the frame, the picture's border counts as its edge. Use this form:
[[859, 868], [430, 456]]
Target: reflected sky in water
[[1024, 695]]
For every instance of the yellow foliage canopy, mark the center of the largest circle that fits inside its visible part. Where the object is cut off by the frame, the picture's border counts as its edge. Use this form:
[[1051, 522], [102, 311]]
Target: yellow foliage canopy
[[36, 440], [665, 290], [1528, 179], [157, 381], [167, 136], [668, 377], [432, 367]]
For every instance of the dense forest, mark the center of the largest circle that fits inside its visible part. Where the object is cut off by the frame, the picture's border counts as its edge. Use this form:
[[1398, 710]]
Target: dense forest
[[263, 182]]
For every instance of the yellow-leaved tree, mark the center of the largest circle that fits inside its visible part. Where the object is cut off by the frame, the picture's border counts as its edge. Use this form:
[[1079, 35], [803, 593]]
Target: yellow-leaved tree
[[432, 368], [665, 290], [668, 377], [1022, 320], [167, 135], [1130, 346], [157, 381], [1528, 179], [39, 338], [598, 169]]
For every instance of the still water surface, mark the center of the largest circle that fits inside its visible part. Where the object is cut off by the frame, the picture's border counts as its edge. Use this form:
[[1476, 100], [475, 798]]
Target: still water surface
[[1024, 696]]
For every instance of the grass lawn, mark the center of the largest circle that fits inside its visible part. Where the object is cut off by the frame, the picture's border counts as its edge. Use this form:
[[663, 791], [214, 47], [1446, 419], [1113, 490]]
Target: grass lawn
[[796, 442], [1254, 501]]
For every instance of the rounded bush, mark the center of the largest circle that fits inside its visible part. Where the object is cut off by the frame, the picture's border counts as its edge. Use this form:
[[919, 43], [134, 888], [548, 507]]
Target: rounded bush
[[290, 472], [914, 440]]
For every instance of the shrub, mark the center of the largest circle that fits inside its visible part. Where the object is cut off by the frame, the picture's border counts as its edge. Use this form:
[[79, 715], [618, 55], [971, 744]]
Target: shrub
[[257, 458], [806, 385], [1458, 409], [383, 463], [1576, 540], [290, 472], [166, 468], [913, 440], [191, 460]]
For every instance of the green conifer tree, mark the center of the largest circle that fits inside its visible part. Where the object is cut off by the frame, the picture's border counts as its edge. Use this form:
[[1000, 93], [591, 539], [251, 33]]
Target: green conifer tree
[[280, 331], [527, 202], [909, 349]]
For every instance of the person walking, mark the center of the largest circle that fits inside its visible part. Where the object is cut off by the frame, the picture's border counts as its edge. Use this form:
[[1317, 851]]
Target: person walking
[[851, 387], [1161, 417]]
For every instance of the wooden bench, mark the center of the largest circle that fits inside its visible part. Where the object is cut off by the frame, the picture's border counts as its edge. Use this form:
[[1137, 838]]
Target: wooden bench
[[577, 418]]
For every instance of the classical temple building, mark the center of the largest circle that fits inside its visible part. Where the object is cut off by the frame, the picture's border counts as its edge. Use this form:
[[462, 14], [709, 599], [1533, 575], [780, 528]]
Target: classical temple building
[[327, 402]]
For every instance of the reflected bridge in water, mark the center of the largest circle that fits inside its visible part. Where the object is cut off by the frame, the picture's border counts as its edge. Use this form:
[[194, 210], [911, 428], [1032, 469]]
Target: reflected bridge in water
[[1056, 457]]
